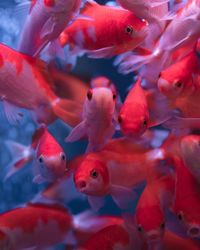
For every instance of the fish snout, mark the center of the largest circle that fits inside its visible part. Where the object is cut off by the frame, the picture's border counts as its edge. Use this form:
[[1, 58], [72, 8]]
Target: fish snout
[[163, 85], [81, 185], [153, 236], [194, 231]]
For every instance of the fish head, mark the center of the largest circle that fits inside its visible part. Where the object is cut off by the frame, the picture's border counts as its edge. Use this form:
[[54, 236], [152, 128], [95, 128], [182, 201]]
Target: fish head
[[132, 29], [190, 149], [91, 177], [150, 223], [100, 99], [189, 218], [52, 167], [136, 124], [174, 83]]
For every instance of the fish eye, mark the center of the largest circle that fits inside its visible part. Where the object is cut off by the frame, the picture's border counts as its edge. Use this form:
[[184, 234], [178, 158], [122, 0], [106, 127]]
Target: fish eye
[[89, 94], [119, 119], [180, 216], [94, 174], [162, 225], [140, 228], [145, 123], [114, 96], [178, 84], [159, 75], [63, 157], [41, 159], [129, 30]]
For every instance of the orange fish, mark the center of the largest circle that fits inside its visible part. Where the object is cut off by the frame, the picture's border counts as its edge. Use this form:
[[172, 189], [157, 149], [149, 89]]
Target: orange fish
[[187, 199], [47, 155], [25, 83], [180, 79], [150, 211], [106, 172], [121, 32]]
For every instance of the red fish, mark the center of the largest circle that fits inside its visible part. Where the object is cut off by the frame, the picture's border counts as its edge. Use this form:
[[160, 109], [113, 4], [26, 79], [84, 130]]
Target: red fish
[[106, 172], [25, 83], [190, 153], [47, 155], [187, 199], [150, 211], [141, 110], [103, 39], [180, 79], [134, 116]]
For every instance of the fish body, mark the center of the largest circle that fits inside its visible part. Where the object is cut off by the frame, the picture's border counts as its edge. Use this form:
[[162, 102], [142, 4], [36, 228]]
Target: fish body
[[121, 32], [156, 198], [47, 155], [180, 79], [25, 83], [190, 153], [106, 172], [187, 200], [30, 226], [134, 116], [44, 23], [97, 118]]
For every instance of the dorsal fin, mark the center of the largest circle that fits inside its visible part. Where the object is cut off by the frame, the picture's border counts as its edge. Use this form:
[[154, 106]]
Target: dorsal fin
[[89, 4]]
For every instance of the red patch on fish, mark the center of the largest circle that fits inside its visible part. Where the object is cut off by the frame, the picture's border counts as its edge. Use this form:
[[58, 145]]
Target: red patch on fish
[[49, 3]]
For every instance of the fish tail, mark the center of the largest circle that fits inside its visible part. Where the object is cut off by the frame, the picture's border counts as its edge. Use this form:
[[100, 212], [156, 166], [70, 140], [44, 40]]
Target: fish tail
[[67, 110], [21, 155]]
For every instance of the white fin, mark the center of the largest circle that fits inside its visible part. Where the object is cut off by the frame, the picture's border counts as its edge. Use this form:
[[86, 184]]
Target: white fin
[[39, 179], [13, 113], [77, 133], [22, 10], [96, 202], [70, 239], [80, 221], [122, 196], [101, 53], [21, 156], [158, 3]]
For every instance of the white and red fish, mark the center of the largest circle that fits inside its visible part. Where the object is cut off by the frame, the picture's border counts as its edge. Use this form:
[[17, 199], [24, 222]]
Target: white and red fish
[[97, 119], [44, 23], [107, 172], [121, 32], [25, 83], [48, 157]]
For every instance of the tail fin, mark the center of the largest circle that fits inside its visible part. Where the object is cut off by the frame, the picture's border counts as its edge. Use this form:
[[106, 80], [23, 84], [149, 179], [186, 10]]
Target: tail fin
[[20, 154], [68, 111]]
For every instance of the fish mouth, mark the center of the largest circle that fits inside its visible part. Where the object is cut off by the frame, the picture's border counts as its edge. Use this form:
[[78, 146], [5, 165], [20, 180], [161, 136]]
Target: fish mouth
[[194, 231]]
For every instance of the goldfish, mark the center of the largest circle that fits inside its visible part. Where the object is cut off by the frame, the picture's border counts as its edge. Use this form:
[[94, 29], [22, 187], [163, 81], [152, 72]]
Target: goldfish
[[48, 157], [181, 32], [142, 109], [100, 39], [186, 203], [17, 232], [135, 104], [106, 172], [25, 83], [97, 119], [44, 23], [181, 78], [110, 238], [151, 208], [190, 153]]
